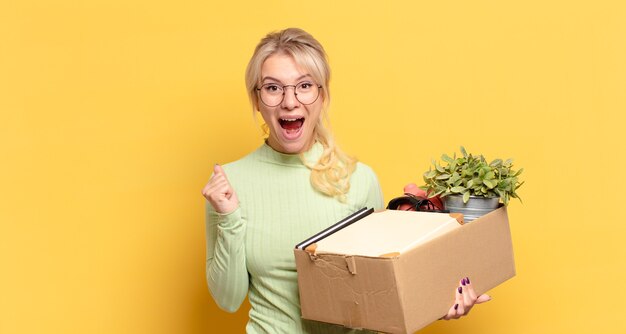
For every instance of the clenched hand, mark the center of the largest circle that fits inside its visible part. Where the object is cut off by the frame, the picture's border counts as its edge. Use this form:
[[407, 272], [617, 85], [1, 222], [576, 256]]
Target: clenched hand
[[220, 193]]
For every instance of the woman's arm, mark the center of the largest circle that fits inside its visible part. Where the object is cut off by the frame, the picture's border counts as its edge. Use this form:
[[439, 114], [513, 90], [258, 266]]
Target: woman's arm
[[226, 272]]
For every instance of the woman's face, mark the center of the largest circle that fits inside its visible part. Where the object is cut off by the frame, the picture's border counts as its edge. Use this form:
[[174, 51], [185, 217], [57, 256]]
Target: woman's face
[[291, 123]]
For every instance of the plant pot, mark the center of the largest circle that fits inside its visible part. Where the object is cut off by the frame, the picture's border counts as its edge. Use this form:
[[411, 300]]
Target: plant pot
[[474, 208]]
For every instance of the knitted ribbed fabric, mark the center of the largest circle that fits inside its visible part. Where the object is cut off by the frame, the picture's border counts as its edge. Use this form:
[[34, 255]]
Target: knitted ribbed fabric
[[250, 250]]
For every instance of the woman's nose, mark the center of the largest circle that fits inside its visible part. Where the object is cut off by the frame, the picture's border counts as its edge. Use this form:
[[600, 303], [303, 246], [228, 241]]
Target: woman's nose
[[289, 99]]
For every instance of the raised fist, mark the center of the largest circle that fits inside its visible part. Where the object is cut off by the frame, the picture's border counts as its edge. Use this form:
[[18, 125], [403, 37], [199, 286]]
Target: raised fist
[[220, 193]]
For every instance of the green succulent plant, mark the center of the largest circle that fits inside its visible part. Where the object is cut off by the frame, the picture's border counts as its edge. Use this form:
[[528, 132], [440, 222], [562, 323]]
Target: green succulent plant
[[471, 175]]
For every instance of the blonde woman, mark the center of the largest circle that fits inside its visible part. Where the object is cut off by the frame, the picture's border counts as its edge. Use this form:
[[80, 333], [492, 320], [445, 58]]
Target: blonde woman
[[295, 184]]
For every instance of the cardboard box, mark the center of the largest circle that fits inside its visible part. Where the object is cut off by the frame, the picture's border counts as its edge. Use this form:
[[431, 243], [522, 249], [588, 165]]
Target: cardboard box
[[404, 289]]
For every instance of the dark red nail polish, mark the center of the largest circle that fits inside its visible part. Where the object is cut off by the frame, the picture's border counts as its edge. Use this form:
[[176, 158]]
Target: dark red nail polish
[[463, 282], [456, 306], [467, 280], [460, 290]]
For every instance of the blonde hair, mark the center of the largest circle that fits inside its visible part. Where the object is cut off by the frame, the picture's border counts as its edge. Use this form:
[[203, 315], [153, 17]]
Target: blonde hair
[[330, 175]]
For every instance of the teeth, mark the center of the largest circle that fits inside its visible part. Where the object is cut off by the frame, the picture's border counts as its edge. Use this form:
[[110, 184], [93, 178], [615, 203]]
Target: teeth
[[289, 119]]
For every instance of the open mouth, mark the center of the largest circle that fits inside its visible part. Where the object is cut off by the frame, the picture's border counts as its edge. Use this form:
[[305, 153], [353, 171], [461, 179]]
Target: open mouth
[[292, 126]]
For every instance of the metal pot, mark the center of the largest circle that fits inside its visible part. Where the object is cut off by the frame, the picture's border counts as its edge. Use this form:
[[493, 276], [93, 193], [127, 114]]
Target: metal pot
[[474, 208]]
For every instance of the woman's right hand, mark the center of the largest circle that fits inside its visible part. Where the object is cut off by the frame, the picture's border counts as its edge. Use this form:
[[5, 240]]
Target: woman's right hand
[[220, 193]]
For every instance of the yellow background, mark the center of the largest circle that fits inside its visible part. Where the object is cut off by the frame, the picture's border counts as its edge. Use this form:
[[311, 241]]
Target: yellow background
[[113, 113]]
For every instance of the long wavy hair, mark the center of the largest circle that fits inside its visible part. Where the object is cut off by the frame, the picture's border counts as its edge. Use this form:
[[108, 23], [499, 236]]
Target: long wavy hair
[[330, 175]]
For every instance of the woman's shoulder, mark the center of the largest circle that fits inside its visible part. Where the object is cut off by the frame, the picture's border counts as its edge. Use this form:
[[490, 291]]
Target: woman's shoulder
[[243, 165], [363, 170], [239, 164], [364, 175], [365, 187]]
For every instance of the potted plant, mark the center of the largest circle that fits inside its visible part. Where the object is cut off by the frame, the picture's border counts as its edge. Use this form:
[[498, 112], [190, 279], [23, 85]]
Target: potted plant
[[470, 185]]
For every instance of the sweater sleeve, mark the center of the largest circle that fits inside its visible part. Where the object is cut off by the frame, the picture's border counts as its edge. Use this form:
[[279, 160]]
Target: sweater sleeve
[[226, 272], [374, 197]]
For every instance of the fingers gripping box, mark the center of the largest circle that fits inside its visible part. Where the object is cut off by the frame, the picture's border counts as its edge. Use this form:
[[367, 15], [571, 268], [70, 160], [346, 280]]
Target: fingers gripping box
[[396, 271]]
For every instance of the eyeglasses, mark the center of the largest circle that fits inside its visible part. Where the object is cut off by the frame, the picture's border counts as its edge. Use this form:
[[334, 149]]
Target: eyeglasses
[[273, 94]]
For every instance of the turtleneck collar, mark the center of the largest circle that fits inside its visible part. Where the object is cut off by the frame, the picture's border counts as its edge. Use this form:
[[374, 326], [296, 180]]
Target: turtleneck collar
[[268, 154]]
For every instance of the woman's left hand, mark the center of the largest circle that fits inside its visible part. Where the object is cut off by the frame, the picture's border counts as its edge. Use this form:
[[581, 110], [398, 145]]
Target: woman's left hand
[[465, 299]]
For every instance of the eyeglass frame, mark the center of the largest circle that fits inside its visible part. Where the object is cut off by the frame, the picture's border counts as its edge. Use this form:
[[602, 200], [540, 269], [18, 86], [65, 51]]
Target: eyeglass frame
[[258, 89]]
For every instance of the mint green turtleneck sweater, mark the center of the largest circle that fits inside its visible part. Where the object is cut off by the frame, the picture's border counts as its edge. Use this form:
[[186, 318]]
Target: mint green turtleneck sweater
[[250, 250]]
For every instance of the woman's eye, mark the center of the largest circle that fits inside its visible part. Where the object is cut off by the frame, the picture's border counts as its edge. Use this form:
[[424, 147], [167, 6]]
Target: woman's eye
[[305, 85], [271, 88]]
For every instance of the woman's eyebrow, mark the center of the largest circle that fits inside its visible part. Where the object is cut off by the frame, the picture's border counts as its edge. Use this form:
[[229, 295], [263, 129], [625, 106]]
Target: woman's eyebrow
[[274, 79]]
